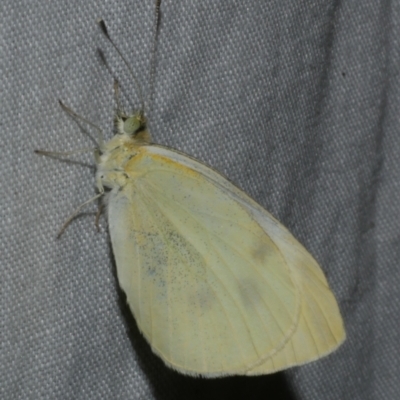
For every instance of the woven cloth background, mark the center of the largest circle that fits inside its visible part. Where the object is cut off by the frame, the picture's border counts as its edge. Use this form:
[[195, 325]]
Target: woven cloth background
[[297, 102]]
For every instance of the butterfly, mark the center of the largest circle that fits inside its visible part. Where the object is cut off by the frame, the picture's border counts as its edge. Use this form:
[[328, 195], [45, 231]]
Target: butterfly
[[216, 284]]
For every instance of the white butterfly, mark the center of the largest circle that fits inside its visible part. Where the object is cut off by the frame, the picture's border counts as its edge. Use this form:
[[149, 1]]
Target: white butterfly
[[216, 284]]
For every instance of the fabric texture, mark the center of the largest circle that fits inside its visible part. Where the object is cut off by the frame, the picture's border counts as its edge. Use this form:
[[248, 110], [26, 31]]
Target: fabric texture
[[296, 102]]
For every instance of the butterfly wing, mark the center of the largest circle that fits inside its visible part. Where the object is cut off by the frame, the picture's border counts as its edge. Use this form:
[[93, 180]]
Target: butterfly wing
[[217, 286]]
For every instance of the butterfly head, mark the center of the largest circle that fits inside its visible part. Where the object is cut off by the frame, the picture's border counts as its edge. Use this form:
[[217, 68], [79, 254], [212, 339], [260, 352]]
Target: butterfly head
[[134, 126]]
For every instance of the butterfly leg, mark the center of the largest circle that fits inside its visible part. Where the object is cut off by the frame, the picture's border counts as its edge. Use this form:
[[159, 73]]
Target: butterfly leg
[[100, 136], [77, 211]]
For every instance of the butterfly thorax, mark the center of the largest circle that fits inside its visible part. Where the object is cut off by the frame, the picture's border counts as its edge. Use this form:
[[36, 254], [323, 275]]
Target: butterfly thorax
[[116, 153]]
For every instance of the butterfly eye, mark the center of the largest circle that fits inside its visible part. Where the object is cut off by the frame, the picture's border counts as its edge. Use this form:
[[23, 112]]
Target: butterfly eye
[[134, 124]]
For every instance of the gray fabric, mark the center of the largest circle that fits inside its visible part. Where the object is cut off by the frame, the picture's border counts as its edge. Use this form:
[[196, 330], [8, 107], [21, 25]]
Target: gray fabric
[[296, 102]]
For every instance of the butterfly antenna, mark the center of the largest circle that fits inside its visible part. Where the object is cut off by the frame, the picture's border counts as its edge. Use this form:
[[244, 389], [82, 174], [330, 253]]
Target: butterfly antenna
[[103, 28], [153, 53]]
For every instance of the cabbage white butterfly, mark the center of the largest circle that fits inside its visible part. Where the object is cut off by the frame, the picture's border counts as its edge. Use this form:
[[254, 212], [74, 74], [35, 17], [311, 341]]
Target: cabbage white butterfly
[[216, 284]]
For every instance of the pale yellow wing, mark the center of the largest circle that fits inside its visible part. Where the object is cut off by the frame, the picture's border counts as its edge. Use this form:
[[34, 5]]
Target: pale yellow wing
[[217, 285]]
